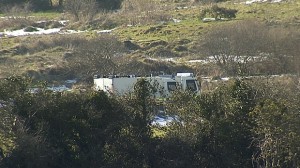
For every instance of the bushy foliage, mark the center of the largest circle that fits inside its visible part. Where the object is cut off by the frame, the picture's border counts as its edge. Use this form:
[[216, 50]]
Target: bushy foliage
[[218, 12], [43, 5], [81, 10], [96, 56], [35, 5], [63, 130], [141, 12], [250, 47], [216, 125], [240, 124], [277, 124]]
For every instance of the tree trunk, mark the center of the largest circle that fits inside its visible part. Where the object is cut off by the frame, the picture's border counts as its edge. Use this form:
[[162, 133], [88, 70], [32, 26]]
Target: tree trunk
[[50, 3], [60, 3]]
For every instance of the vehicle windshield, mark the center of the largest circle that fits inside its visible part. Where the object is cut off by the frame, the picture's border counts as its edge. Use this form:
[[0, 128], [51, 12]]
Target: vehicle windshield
[[191, 85], [171, 86]]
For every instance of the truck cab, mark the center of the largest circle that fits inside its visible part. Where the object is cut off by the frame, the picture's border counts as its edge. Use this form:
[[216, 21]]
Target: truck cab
[[187, 81]]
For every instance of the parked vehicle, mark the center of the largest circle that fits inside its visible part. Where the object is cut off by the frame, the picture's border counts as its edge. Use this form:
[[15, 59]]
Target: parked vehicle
[[165, 84]]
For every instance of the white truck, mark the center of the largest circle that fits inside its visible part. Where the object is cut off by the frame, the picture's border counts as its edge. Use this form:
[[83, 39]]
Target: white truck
[[120, 85]]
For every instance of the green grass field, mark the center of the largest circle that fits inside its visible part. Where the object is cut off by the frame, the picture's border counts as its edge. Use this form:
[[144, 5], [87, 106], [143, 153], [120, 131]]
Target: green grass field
[[171, 35]]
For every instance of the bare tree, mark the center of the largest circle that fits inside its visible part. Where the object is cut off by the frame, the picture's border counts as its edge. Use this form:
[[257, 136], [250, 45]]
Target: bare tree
[[20, 11], [218, 12], [233, 46], [144, 11], [96, 56], [249, 47], [283, 50], [81, 10]]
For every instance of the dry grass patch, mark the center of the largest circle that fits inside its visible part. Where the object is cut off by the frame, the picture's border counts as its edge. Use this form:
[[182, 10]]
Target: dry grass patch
[[14, 24]]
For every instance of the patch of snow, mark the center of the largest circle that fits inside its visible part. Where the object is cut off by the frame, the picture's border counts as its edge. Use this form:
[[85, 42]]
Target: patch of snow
[[105, 31], [16, 17], [176, 20], [22, 32], [276, 1], [162, 59], [225, 79], [198, 61], [2, 105], [212, 19], [40, 31], [261, 1], [61, 88], [41, 21], [231, 58], [169, 59], [71, 81], [34, 90], [71, 31], [206, 79], [63, 22], [208, 19], [163, 120], [179, 7]]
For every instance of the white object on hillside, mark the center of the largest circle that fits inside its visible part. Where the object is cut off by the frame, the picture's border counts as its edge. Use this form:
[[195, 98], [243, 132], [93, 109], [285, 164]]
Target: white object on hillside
[[225, 79], [22, 32], [61, 88], [198, 61], [176, 20], [71, 31], [162, 121], [261, 1], [166, 84], [105, 31], [71, 81], [162, 59], [39, 31], [208, 19]]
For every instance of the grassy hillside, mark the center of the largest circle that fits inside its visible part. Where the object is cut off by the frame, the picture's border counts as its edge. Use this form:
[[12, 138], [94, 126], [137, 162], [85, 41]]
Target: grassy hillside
[[169, 30]]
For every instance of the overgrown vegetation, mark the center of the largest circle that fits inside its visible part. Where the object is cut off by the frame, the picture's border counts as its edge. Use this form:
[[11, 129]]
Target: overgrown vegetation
[[245, 123], [249, 121], [218, 13], [160, 30], [241, 48]]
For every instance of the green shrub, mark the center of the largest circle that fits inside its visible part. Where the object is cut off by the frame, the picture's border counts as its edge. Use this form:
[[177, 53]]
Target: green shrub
[[30, 29], [218, 12]]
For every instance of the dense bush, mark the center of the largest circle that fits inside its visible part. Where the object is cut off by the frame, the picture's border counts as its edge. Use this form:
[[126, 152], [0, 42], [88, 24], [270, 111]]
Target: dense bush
[[42, 5], [81, 10], [250, 47], [244, 123], [36, 5], [218, 12]]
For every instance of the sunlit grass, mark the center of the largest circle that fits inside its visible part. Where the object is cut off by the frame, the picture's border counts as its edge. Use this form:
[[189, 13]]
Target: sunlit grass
[[192, 28], [285, 12], [159, 132], [7, 142], [186, 29], [49, 15], [189, 27]]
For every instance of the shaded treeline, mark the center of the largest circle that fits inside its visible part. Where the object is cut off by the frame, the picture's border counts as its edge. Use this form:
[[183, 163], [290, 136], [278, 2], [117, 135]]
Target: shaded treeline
[[40, 5], [245, 123]]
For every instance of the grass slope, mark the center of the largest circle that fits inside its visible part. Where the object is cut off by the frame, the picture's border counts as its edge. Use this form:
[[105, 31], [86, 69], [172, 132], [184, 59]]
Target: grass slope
[[176, 38]]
